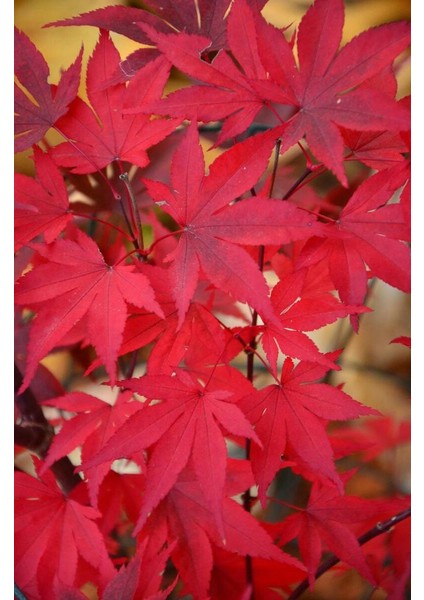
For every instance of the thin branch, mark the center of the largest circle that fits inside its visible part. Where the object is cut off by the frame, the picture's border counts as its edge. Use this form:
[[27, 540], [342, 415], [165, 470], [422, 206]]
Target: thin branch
[[134, 208], [296, 184], [377, 530]]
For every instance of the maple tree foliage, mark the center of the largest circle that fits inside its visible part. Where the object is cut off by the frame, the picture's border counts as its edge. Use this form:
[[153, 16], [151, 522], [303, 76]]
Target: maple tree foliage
[[190, 288]]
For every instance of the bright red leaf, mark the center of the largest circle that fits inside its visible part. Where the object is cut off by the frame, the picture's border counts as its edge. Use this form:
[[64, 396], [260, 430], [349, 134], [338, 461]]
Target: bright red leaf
[[52, 532], [42, 204], [103, 136], [324, 93], [203, 18], [93, 425], [76, 281], [210, 228], [327, 519], [196, 537], [186, 424], [295, 411], [369, 231], [301, 310]]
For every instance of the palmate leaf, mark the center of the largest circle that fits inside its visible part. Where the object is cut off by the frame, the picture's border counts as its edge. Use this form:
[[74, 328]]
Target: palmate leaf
[[301, 309], [42, 204], [370, 231], [327, 519], [185, 425], [210, 228], [76, 281], [34, 117], [52, 532], [324, 92], [100, 137], [93, 425], [294, 413], [197, 536]]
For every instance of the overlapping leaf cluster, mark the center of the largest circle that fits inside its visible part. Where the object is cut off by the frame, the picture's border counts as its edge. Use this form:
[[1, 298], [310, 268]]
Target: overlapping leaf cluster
[[130, 248]]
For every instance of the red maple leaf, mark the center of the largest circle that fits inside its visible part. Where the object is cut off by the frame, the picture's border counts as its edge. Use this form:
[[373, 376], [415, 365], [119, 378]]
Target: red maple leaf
[[373, 438], [301, 307], [41, 207], [328, 87], [229, 94], [102, 136], [76, 281], [52, 532], [210, 228], [325, 92], [34, 117], [94, 424], [197, 537], [228, 578], [291, 416], [369, 230], [185, 425], [327, 519]]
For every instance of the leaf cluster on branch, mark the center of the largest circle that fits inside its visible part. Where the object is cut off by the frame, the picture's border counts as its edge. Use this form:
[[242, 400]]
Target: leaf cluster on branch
[[179, 281]]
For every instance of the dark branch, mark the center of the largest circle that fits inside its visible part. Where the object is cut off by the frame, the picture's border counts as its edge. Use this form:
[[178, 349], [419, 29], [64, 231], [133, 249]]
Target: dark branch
[[36, 434], [380, 528]]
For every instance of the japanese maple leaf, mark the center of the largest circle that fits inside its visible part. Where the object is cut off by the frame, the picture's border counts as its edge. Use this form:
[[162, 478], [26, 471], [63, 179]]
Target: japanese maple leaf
[[294, 412], [197, 536], [210, 228], [369, 231], [186, 424], [327, 519], [52, 532], [301, 310], [94, 424], [177, 344], [41, 104], [102, 136], [42, 204], [76, 281], [324, 92], [376, 149], [174, 344], [229, 94], [326, 87]]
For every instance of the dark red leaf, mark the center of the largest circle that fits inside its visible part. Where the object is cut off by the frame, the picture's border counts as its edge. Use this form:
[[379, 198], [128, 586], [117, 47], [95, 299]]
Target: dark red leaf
[[40, 105]]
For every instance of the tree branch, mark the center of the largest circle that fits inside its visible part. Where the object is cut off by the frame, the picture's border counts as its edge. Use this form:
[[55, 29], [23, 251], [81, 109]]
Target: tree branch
[[377, 530], [36, 434]]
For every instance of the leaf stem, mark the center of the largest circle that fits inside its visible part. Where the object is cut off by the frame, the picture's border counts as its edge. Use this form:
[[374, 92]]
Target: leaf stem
[[103, 222], [297, 183], [135, 215], [377, 530]]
